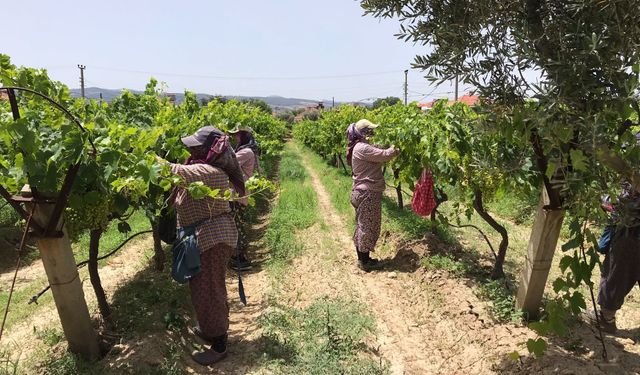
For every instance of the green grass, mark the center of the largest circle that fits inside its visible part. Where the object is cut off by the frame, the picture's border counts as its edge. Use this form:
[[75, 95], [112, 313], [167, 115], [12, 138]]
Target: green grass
[[296, 209], [324, 338], [503, 307], [336, 181], [445, 262], [519, 209], [111, 237], [10, 359]]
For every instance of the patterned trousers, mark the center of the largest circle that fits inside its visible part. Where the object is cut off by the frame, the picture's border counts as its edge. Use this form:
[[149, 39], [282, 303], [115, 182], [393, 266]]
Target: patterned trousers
[[368, 206], [620, 269], [209, 291], [240, 217]]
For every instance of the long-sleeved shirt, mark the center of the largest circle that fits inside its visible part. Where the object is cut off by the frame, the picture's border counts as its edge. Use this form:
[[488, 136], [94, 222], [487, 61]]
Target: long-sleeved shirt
[[367, 166], [218, 225], [247, 160]]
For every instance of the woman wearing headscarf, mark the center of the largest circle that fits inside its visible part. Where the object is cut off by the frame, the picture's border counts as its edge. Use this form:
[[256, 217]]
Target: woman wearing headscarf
[[246, 150], [213, 163], [368, 186]]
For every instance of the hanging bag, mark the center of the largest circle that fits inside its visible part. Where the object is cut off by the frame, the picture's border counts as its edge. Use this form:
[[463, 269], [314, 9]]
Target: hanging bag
[[185, 254], [423, 201]]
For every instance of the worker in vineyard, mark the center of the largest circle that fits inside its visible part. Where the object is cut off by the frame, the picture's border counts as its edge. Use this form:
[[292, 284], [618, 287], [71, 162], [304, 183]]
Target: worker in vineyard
[[368, 186], [212, 162], [247, 151], [620, 271]]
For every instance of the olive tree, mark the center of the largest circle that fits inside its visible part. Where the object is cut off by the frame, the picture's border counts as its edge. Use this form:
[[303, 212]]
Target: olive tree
[[557, 76]]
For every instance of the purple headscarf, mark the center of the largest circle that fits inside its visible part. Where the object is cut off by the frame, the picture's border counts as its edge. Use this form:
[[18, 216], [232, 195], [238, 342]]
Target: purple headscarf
[[354, 136]]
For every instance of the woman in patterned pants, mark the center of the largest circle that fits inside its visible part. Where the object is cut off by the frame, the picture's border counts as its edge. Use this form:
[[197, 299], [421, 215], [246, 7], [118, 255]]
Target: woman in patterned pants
[[213, 163], [368, 185]]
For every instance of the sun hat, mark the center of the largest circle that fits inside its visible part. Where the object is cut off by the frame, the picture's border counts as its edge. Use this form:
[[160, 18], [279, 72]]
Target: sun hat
[[241, 128], [200, 137], [364, 123]]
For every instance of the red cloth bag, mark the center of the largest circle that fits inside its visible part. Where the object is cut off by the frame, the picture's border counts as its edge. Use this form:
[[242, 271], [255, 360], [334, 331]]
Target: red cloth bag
[[423, 201]]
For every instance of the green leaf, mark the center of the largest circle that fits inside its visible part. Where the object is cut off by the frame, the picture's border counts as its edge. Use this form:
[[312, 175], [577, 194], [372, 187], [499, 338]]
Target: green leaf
[[198, 190], [565, 262], [577, 303], [165, 185], [91, 197], [120, 204], [571, 244], [514, 355], [541, 328], [559, 284], [578, 160], [537, 347]]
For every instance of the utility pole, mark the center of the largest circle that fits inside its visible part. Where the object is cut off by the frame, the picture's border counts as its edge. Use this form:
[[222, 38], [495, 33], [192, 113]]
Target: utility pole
[[100, 98], [406, 86], [333, 102], [456, 89], [82, 68]]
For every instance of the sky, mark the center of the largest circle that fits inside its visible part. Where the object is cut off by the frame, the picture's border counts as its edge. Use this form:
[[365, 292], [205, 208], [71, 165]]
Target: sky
[[292, 48]]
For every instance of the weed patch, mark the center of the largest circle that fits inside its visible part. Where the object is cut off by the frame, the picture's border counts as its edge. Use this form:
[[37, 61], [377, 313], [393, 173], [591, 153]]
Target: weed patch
[[445, 262], [503, 308], [324, 338]]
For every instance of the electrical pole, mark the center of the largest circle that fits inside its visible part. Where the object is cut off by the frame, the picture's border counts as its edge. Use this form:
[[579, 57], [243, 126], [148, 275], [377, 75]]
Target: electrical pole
[[82, 68], [406, 86], [333, 102], [456, 89]]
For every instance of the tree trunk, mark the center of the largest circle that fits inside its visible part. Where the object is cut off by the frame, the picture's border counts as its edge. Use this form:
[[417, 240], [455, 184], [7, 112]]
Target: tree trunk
[[158, 256], [396, 174], [440, 199], [94, 247], [498, 271]]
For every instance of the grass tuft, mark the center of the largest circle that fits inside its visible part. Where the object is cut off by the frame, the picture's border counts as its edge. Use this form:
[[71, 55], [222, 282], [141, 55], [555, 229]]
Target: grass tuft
[[324, 338]]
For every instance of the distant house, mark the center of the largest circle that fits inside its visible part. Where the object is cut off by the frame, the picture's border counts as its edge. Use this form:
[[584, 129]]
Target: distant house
[[468, 99], [318, 106], [4, 95]]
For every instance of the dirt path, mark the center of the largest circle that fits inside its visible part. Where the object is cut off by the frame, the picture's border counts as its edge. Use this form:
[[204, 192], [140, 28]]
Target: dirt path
[[403, 339], [432, 323], [118, 270]]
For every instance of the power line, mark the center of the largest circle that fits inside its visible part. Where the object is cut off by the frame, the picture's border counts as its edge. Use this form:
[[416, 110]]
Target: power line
[[247, 77]]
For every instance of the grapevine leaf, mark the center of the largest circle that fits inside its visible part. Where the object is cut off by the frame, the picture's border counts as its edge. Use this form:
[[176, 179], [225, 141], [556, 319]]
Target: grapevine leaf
[[578, 160], [565, 262], [571, 244], [559, 284], [537, 347], [577, 302]]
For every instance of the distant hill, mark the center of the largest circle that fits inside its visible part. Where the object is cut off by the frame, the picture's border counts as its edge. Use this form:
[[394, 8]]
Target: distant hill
[[276, 102]]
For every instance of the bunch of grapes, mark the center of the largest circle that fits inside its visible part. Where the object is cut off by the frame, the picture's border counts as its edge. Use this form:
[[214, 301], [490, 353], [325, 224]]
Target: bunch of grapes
[[91, 215]]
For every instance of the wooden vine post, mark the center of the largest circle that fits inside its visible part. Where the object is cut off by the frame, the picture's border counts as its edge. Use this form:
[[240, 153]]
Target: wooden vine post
[[60, 266], [540, 251]]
